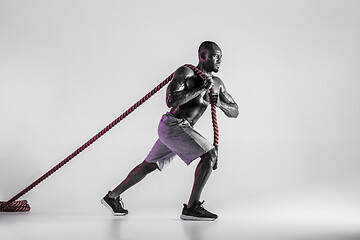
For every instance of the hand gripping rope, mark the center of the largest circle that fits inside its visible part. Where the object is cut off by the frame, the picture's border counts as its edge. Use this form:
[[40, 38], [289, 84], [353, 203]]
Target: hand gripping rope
[[22, 206]]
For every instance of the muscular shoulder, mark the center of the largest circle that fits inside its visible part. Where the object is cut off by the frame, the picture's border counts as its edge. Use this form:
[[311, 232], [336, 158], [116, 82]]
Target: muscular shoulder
[[179, 79], [219, 83], [183, 72], [217, 80]]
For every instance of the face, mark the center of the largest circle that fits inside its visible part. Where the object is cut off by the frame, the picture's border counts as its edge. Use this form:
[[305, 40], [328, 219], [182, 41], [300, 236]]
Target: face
[[213, 59]]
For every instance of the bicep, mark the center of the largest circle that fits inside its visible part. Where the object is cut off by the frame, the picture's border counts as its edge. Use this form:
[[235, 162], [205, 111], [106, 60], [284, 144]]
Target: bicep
[[178, 82], [176, 86], [224, 95]]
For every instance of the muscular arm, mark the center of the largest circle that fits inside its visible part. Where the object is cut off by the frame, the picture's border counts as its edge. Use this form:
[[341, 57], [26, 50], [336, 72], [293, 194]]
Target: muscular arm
[[178, 91], [228, 106], [227, 103]]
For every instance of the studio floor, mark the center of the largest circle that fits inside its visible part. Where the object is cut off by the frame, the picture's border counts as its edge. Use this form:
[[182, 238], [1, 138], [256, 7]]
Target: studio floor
[[270, 222]]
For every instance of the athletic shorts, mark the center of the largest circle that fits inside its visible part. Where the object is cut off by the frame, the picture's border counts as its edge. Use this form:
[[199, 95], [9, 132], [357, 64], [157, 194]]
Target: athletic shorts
[[177, 137]]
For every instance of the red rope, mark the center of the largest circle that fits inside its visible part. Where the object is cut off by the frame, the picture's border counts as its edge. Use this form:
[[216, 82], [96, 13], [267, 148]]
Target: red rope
[[16, 206], [213, 107], [21, 206], [213, 112]]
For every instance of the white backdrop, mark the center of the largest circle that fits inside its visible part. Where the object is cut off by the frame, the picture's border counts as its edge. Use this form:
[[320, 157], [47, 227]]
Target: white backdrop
[[68, 68]]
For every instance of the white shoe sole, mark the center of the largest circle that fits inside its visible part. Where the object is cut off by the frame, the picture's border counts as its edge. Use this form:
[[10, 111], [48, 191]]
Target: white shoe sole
[[108, 207], [192, 218]]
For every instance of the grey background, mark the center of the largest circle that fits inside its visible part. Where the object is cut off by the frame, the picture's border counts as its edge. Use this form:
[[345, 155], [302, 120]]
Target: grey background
[[68, 68]]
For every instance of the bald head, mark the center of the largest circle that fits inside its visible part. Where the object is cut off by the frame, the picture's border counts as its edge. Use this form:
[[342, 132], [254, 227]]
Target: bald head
[[205, 48], [210, 56]]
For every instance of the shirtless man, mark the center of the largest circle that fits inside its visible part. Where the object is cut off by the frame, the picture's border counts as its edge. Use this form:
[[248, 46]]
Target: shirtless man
[[187, 96]]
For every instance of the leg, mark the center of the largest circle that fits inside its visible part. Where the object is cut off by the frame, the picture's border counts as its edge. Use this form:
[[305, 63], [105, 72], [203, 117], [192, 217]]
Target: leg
[[135, 176], [202, 174]]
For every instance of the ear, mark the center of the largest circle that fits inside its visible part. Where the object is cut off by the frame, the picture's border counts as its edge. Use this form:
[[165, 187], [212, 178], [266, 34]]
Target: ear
[[203, 56]]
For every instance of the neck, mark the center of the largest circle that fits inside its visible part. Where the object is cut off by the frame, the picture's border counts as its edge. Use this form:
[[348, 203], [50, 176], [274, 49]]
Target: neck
[[202, 68]]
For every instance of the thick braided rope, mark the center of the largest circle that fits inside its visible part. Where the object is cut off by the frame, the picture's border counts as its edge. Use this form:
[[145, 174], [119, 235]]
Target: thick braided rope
[[16, 206], [20, 206], [213, 107], [213, 112]]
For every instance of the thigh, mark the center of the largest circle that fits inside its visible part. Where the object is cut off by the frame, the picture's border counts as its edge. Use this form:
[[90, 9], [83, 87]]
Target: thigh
[[184, 140], [160, 154]]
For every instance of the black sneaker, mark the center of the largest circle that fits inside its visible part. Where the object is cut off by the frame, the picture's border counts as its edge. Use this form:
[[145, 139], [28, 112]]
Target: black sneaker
[[116, 206], [197, 212]]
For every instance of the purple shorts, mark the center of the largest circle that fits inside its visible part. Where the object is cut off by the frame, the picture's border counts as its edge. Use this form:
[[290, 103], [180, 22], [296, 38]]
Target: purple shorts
[[177, 137]]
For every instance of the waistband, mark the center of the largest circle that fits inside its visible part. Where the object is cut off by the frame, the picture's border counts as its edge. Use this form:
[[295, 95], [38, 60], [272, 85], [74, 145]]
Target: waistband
[[169, 114]]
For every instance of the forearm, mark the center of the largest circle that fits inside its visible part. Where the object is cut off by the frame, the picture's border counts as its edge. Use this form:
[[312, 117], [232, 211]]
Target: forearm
[[230, 109]]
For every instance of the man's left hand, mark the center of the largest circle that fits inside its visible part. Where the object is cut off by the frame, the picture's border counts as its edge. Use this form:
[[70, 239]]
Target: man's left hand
[[214, 98]]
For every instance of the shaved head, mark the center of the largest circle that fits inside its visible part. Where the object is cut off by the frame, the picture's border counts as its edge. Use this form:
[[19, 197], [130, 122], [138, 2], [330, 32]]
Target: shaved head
[[209, 56], [206, 48]]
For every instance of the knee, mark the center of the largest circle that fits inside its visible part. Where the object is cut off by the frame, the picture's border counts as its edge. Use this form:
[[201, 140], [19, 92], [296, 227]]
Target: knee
[[210, 157], [149, 167]]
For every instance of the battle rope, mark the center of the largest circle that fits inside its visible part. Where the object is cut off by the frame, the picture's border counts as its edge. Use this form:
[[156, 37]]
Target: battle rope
[[213, 111], [22, 206]]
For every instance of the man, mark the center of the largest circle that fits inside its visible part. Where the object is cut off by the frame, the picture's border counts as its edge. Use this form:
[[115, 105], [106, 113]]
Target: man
[[187, 96]]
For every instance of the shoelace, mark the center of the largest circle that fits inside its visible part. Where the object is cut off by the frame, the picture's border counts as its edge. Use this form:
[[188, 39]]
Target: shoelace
[[199, 206], [119, 200]]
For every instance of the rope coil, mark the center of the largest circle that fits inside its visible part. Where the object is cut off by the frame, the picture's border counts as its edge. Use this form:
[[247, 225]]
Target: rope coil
[[22, 206]]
